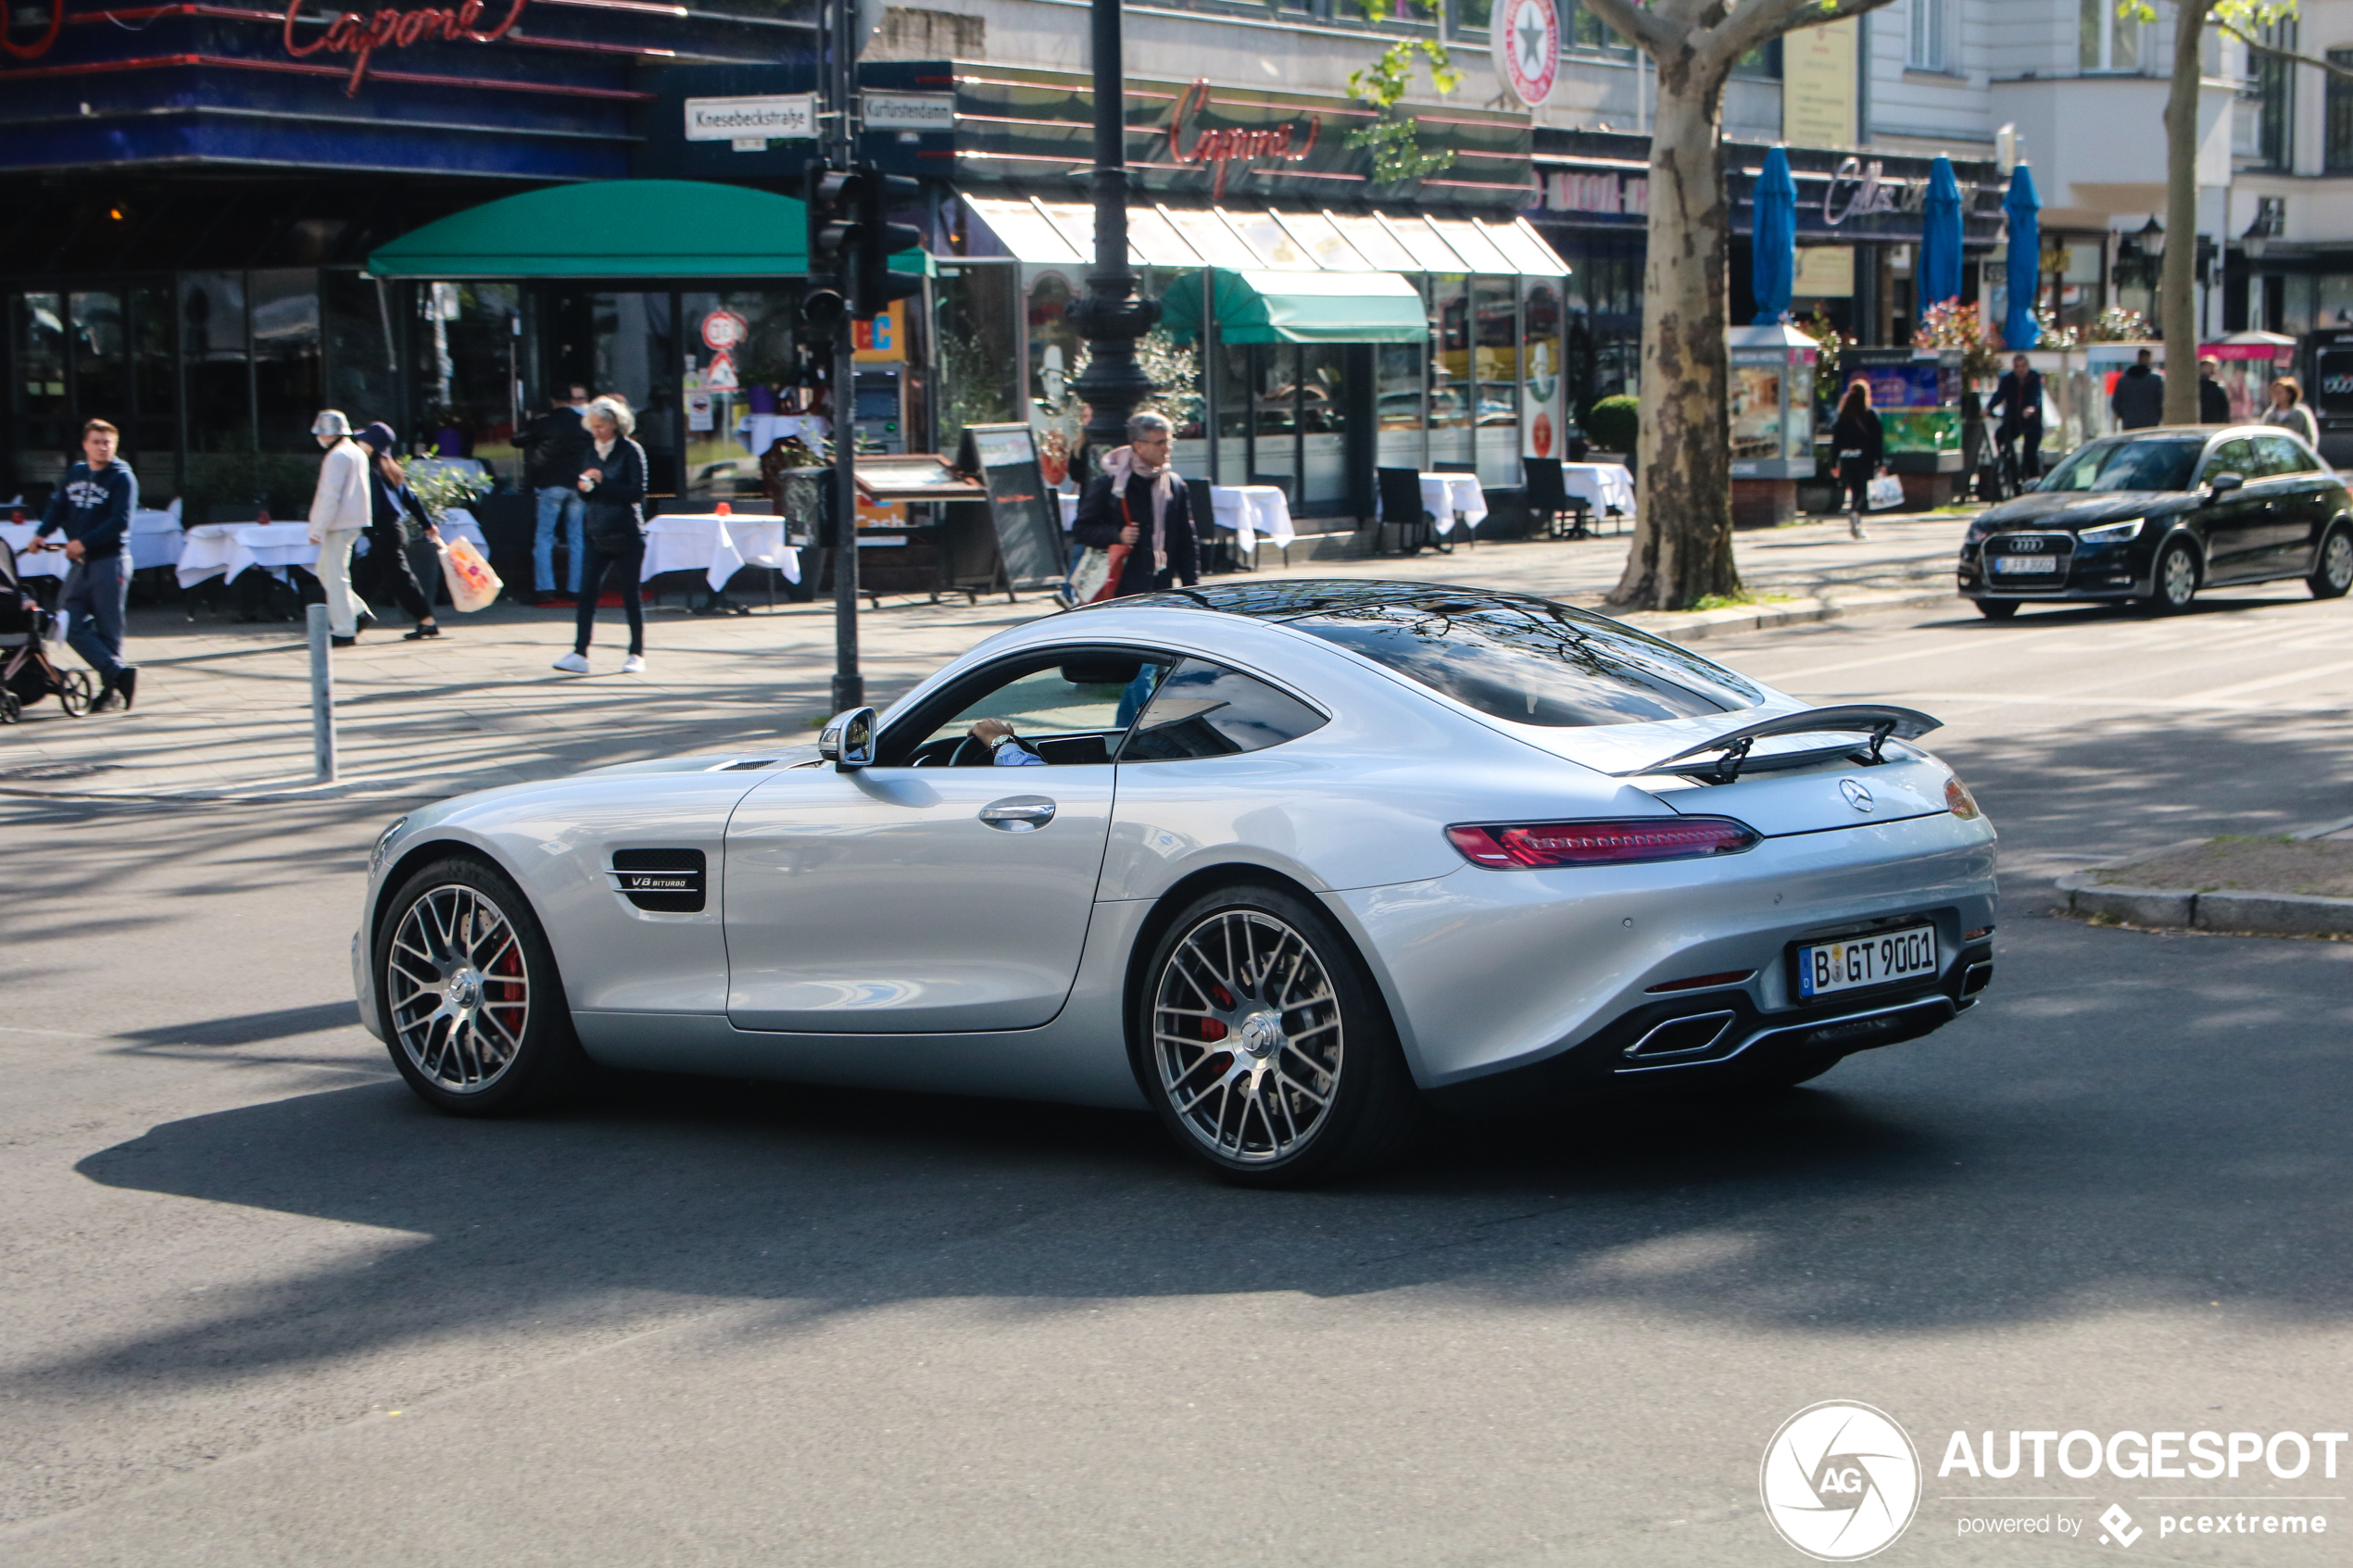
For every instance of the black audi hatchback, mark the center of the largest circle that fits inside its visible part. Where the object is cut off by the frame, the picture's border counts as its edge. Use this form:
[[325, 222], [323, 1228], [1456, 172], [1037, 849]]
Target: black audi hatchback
[[2155, 515]]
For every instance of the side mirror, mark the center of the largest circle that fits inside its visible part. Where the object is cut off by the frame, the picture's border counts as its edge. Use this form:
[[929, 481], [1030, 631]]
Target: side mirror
[[2223, 485], [847, 740]]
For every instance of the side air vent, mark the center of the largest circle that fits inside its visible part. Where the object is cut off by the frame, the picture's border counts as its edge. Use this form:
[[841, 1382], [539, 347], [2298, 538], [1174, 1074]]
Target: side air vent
[[668, 880]]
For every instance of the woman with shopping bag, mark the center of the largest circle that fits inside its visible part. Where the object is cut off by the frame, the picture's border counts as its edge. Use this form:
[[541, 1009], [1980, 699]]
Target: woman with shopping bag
[[1138, 513], [396, 518], [613, 482], [1861, 446]]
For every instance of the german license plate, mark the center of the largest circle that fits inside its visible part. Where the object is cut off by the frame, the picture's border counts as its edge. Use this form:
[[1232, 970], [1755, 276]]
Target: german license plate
[[2024, 566], [1826, 968]]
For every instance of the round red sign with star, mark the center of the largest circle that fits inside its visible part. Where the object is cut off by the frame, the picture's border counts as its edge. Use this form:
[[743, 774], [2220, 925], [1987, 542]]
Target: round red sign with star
[[1527, 48]]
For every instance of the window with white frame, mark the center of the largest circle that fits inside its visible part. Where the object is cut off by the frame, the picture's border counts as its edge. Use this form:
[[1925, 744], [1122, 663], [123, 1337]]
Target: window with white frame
[[2105, 41], [1932, 29]]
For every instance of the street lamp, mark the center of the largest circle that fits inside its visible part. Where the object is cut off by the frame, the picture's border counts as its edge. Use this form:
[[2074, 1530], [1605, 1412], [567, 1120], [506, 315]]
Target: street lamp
[[1111, 315], [2152, 238]]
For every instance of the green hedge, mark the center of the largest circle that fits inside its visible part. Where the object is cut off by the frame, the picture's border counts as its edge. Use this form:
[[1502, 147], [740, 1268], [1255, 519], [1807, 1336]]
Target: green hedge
[[1614, 424]]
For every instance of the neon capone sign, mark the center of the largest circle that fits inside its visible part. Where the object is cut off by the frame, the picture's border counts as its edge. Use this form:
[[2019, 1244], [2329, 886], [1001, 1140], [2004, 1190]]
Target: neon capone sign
[[361, 34]]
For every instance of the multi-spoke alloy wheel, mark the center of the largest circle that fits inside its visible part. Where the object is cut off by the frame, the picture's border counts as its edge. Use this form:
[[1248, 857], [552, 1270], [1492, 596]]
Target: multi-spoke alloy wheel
[[2335, 574], [473, 1011], [1265, 1047]]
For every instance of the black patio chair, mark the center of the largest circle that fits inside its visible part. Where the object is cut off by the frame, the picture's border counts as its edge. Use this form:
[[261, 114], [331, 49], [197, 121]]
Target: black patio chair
[[1401, 509], [1548, 498]]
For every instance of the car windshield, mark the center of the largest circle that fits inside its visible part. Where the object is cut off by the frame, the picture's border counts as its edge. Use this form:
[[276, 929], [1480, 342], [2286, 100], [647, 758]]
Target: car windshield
[[1532, 662], [2162, 464]]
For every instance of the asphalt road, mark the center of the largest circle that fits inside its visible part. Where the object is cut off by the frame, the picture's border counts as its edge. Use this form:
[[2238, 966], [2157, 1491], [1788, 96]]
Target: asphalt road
[[261, 1308]]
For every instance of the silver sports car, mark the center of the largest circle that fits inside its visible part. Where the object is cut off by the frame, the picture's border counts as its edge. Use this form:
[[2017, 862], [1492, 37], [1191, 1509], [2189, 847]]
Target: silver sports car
[[1289, 864]]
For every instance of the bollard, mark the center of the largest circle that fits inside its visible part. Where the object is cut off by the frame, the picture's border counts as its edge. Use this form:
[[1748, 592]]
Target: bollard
[[322, 695]]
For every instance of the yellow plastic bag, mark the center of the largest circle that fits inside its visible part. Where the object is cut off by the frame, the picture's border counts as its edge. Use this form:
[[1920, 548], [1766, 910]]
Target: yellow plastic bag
[[472, 585]]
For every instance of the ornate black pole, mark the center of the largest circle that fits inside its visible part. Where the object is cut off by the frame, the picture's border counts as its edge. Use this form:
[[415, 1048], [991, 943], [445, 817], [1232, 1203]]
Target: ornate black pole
[[1112, 316], [841, 381]]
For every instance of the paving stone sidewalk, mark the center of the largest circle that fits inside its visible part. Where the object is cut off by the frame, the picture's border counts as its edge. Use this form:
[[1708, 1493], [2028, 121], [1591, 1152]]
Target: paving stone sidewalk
[[223, 708]]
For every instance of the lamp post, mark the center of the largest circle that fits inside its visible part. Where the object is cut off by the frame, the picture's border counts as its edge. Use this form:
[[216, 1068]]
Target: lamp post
[[1112, 315]]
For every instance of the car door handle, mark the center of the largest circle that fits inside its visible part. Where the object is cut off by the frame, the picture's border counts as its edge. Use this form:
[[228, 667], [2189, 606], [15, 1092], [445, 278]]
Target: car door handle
[[1018, 813]]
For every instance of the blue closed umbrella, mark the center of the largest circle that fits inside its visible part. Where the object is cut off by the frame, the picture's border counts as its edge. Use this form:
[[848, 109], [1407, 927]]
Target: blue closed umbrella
[[1941, 236], [1773, 238], [2025, 275]]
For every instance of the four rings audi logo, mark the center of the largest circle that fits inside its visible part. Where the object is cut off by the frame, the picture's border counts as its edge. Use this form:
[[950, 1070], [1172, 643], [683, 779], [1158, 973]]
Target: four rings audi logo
[[2029, 546]]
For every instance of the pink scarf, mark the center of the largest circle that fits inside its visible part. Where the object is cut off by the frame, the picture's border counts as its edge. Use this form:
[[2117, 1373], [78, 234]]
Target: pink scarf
[[1122, 466]]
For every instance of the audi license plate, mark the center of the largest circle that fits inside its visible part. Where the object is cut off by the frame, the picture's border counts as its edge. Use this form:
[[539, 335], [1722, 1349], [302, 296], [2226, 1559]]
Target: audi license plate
[[2024, 566], [1824, 968]]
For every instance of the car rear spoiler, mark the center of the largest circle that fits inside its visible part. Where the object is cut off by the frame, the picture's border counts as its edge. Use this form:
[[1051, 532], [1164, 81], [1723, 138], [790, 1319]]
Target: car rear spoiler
[[1731, 750]]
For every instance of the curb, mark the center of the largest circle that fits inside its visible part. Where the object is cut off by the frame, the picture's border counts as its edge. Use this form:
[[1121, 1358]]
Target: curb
[[2240, 914], [1694, 626]]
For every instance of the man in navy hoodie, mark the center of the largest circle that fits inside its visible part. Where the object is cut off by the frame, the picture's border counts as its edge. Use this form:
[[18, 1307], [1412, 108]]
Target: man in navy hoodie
[[93, 508]]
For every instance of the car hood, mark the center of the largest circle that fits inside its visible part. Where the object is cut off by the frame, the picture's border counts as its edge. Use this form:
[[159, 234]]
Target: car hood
[[746, 760], [2079, 509]]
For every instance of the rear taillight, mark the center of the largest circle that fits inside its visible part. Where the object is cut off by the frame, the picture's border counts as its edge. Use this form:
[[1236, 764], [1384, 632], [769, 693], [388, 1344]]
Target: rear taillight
[[1522, 845], [1958, 800]]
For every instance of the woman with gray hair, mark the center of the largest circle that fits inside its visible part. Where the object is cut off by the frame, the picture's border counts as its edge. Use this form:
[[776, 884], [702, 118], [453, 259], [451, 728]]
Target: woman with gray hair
[[1139, 502], [613, 484]]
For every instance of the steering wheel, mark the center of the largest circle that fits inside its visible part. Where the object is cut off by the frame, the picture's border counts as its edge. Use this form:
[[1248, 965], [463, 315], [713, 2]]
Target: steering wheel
[[956, 758]]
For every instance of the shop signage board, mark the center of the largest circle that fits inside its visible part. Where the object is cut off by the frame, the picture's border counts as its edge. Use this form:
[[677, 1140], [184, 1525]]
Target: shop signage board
[[1024, 510], [1528, 49], [1818, 92]]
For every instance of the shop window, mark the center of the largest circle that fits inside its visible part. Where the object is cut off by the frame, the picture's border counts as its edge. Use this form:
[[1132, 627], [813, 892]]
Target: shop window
[[155, 379], [736, 375], [1763, 64], [1585, 31], [470, 369], [1325, 401], [977, 353], [354, 316], [1229, 396], [1397, 369], [1451, 388], [1274, 417], [212, 342], [1496, 368], [2105, 41], [2264, 130], [1056, 415], [101, 358], [37, 397], [286, 370], [1469, 16], [2338, 153], [1541, 322]]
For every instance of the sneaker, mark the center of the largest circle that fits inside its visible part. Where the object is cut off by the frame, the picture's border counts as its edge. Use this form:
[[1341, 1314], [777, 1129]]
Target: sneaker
[[421, 632], [633, 665], [574, 664], [126, 685]]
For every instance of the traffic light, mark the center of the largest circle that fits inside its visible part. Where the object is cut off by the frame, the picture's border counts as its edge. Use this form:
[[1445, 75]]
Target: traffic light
[[833, 225], [873, 285]]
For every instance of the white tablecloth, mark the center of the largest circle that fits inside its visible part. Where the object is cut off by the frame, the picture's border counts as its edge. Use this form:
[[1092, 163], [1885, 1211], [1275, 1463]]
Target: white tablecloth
[[1603, 485], [226, 549], [155, 540], [1443, 495], [1249, 510], [718, 547], [759, 432]]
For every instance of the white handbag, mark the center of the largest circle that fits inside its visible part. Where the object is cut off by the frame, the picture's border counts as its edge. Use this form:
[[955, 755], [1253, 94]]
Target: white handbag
[[1087, 578]]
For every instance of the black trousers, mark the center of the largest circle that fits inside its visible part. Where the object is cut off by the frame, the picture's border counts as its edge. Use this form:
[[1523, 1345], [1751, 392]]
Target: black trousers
[[388, 553], [629, 555]]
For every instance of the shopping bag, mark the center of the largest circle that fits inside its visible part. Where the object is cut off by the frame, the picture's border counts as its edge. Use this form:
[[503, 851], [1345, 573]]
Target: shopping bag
[[1089, 574], [1114, 561], [1884, 492], [472, 585]]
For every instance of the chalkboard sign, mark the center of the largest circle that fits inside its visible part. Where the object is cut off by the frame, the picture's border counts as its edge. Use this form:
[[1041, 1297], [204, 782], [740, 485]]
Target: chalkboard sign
[[1026, 513]]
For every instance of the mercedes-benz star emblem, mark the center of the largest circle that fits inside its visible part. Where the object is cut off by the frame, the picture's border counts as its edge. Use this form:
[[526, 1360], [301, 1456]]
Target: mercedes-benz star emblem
[[1858, 795]]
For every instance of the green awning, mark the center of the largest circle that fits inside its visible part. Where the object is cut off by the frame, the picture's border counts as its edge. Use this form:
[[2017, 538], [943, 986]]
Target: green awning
[[621, 228], [1300, 307]]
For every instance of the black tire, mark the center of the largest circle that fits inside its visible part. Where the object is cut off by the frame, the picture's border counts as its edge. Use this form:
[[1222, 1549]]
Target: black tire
[[1996, 609], [2175, 582], [1258, 965], [459, 934], [75, 693], [11, 708], [2332, 568]]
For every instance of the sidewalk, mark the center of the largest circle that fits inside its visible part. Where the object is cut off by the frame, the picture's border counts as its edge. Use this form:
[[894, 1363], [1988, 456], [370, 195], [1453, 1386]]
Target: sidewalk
[[224, 709]]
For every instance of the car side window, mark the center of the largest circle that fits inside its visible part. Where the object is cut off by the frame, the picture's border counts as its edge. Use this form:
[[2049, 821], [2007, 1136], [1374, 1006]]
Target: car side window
[[2234, 456], [2279, 455], [1064, 706], [1205, 709]]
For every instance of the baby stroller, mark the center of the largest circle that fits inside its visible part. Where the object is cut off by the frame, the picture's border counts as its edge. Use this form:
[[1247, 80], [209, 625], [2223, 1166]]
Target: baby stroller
[[26, 675]]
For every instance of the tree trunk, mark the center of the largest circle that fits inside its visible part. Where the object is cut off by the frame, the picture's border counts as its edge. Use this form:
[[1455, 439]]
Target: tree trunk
[[1682, 546], [2177, 289]]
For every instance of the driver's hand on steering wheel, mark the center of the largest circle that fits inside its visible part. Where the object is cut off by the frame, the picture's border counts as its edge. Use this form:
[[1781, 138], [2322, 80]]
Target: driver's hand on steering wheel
[[991, 730]]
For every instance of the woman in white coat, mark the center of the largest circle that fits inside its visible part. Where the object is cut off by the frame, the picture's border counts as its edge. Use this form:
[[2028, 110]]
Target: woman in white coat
[[339, 514]]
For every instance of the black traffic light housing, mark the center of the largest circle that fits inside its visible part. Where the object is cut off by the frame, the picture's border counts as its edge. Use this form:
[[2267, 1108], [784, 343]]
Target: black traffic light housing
[[873, 285], [833, 225]]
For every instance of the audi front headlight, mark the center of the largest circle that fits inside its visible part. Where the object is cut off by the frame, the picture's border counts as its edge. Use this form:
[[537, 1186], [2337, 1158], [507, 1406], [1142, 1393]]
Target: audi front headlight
[[2111, 532], [384, 842]]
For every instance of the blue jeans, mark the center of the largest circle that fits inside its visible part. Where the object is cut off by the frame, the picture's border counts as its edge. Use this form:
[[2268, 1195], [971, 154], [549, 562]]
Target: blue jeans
[[554, 501], [98, 595]]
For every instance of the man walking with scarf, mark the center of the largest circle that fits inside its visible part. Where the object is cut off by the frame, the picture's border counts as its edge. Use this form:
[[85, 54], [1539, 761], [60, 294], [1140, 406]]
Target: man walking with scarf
[[1139, 502]]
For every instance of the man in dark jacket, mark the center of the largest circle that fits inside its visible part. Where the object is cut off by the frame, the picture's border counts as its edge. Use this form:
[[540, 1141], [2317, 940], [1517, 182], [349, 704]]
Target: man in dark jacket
[[2138, 401], [555, 445], [2213, 397], [2019, 395], [1139, 501], [92, 506]]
